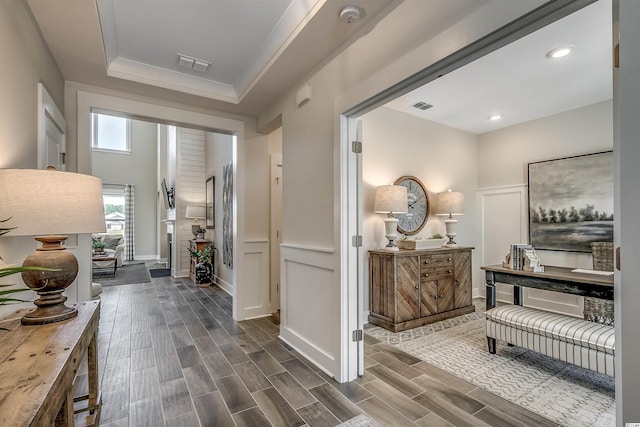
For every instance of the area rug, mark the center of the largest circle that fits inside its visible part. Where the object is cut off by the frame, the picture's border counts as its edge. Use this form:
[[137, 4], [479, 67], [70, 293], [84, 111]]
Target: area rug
[[160, 272], [564, 393], [127, 274]]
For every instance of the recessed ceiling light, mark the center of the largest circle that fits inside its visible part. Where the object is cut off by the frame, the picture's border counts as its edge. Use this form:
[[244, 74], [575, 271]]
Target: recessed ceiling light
[[559, 52], [495, 117]]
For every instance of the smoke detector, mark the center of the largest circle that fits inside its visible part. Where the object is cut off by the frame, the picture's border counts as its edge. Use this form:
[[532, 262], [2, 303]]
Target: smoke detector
[[350, 14]]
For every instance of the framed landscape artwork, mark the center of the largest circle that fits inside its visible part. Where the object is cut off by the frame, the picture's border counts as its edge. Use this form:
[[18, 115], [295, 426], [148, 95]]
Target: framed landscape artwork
[[210, 205], [571, 202]]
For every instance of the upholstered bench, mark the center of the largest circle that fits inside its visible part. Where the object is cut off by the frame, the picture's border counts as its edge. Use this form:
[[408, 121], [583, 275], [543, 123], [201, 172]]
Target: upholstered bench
[[587, 344]]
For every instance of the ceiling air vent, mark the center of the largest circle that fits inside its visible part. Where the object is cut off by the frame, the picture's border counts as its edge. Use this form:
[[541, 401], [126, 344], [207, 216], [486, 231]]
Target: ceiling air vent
[[193, 63], [422, 105]]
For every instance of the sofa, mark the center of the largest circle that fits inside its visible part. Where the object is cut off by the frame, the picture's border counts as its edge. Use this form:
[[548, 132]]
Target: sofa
[[114, 246]]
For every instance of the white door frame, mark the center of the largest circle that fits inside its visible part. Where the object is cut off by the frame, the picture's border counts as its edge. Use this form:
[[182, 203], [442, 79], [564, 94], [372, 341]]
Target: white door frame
[[50, 115], [275, 228], [169, 115]]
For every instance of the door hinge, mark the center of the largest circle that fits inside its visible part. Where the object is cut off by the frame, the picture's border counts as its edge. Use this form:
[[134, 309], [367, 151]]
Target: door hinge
[[356, 147], [357, 335], [356, 241], [63, 158]]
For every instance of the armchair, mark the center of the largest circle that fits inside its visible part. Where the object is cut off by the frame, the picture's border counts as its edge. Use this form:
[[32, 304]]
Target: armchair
[[114, 246]]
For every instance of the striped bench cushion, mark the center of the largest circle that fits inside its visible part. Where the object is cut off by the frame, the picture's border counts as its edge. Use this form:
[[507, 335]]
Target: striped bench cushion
[[573, 330]]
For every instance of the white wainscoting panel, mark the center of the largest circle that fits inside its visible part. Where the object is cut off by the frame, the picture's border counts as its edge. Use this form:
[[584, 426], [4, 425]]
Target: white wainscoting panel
[[310, 305], [256, 265], [504, 220]]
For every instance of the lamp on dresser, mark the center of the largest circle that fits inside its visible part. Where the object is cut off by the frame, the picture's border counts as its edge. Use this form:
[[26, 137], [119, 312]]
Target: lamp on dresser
[[49, 205], [450, 203], [390, 200], [196, 213]]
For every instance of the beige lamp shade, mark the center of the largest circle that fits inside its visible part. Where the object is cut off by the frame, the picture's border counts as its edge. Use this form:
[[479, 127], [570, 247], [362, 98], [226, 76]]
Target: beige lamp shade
[[195, 212], [391, 199], [45, 202], [449, 203]]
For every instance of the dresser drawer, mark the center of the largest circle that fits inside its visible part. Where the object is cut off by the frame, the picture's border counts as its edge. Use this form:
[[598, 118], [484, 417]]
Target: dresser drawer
[[436, 260], [435, 273]]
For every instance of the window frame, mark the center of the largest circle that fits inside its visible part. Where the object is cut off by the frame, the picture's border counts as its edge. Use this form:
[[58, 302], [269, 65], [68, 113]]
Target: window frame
[[94, 134]]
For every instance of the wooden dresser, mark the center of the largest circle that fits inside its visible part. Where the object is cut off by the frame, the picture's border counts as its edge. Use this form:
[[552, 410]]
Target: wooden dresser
[[411, 288]]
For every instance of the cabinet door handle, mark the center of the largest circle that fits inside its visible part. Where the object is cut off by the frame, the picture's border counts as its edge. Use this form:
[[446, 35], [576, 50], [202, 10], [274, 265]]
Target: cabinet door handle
[[449, 271], [435, 297], [426, 274], [457, 280], [426, 262], [417, 287], [449, 259]]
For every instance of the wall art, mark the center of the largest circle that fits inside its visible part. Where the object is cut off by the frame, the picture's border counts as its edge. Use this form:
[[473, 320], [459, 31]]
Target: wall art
[[571, 202]]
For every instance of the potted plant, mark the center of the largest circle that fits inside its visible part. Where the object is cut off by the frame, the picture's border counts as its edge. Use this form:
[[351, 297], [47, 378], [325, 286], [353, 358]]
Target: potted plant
[[200, 232], [204, 268], [98, 246]]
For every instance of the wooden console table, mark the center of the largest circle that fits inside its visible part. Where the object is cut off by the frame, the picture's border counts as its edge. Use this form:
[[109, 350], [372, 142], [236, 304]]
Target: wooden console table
[[38, 365], [558, 279]]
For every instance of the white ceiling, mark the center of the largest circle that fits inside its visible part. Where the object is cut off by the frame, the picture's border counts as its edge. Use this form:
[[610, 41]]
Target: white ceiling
[[519, 82], [260, 48]]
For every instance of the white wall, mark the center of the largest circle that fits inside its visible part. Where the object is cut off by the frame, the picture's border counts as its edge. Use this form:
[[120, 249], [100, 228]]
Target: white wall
[[397, 144], [503, 155], [31, 62], [218, 152], [189, 190], [140, 168]]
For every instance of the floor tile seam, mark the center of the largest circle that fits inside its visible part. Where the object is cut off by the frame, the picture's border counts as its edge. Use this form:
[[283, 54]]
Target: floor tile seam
[[329, 409], [386, 404], [513, 421], [302, 386]]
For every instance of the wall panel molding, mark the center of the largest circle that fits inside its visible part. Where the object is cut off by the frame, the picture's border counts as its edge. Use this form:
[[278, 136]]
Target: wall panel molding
[[309, 274]]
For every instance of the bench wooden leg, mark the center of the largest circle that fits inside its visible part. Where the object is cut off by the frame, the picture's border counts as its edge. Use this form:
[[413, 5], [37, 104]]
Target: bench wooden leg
[[492, 345]]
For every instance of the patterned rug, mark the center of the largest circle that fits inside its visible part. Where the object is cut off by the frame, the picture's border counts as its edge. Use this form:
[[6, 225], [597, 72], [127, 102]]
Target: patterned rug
[[561, 392]]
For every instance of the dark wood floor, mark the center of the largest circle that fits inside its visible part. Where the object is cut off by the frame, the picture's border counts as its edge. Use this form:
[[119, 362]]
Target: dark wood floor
[[170, 354]]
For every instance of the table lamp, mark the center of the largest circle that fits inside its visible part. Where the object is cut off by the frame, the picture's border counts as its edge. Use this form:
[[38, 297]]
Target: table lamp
[[390, 200], [49, 204], [196, 213], [450, 203]]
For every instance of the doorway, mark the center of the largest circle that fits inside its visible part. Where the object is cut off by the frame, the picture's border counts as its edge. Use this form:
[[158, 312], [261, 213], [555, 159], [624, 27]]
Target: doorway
[[88, 101], [467, 55]]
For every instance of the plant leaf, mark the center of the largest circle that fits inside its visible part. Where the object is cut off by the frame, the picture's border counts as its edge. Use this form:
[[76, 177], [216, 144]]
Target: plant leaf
[[8, 271]]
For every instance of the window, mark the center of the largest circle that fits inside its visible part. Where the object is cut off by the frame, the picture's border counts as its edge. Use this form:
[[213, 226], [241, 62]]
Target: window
[[110, 133], [113, 200]]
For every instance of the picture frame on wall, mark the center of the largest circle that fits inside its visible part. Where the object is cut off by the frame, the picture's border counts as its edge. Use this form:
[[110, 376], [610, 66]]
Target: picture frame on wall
[[571, 202], [210, 205], [227, 215]]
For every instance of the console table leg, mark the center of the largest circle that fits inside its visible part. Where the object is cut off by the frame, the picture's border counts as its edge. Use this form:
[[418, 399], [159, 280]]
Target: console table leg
[[490, 290], [517, 295]]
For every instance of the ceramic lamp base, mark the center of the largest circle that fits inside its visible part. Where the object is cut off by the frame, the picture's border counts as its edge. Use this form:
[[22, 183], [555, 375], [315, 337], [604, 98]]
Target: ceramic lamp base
[[450, 224], [391, 233], [50, 284]]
